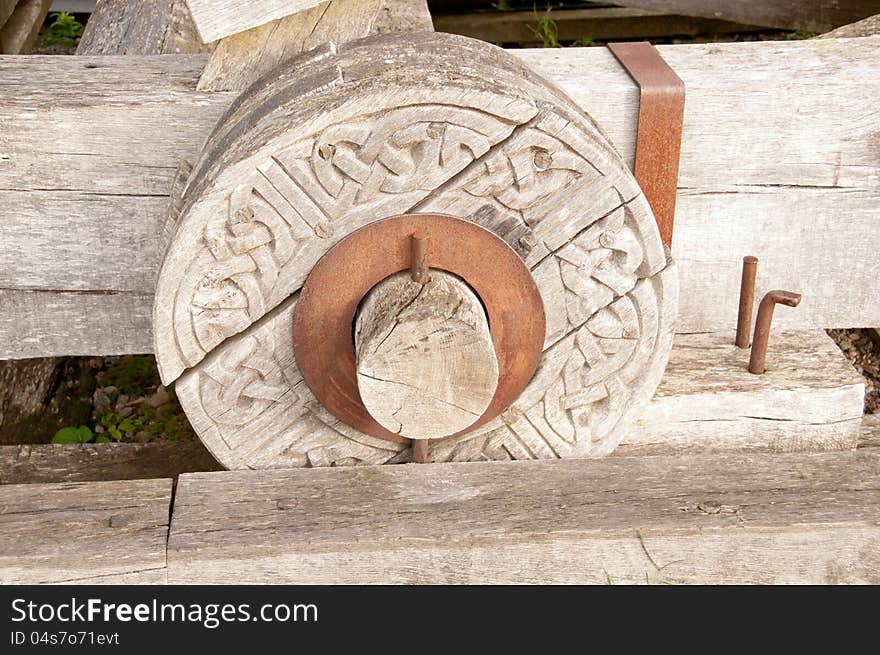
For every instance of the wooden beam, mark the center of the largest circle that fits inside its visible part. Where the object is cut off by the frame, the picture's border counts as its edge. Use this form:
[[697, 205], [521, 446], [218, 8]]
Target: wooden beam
[[810, 399], [148, 27], [807, 15], [92, 533], [776, 162], [704, 519], [573, 24], [216, 19], [28, 464], [21, 28]]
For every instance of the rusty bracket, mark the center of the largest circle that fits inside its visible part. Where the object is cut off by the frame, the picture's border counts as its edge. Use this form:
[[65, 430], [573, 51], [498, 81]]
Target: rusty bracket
[[661, 118]]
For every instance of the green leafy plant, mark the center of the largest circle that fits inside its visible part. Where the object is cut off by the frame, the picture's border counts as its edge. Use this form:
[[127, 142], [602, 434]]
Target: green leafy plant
[[583, 42], [64, 31], [546, 29], [502, 5], [70, 435]]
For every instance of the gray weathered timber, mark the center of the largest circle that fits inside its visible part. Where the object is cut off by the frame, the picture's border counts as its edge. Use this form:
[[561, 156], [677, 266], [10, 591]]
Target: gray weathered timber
[[28, 464], [809, 15], [404, 16], [810, 398], [870, 434], [146, 27], [216, 19], [240, 59], [96, 532], [805, 110], [707, 519], [573, 24], [20, 30]]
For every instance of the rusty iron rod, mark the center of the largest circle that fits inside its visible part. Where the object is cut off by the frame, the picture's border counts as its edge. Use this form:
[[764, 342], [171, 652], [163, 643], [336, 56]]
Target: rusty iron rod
[[762, 325], [746, 301], [419, 268], [420, 451]]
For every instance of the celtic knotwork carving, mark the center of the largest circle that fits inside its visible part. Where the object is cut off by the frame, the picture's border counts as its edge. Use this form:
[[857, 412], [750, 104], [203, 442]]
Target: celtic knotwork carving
[[375, 166], [500, 148]]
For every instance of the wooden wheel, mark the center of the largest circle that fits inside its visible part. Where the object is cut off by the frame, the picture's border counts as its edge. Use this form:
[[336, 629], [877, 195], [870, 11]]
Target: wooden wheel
[[426, 123]]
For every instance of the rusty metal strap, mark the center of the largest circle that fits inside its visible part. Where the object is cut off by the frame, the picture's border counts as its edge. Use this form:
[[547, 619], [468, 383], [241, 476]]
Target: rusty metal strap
[[661, 115]]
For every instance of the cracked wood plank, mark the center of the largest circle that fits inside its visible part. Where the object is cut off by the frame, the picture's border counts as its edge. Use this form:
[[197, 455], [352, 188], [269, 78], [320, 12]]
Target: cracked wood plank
[[810, 398], [704, 519], [788, 193], [94, 532], [425, 359]]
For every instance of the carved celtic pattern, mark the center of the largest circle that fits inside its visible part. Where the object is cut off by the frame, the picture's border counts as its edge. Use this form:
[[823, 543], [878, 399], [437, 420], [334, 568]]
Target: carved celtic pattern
[[535, 171], [375, 166]]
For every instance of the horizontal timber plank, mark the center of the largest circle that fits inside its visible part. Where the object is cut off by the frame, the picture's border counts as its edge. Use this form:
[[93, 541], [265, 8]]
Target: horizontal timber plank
[[573, 24], [809, 15], [91, 532], [27, 464], [809, 399], [778, 161], [695, 519]]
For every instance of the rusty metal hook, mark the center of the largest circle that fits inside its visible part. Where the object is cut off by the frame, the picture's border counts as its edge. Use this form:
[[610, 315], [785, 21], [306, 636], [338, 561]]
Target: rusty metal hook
[[762, 325]]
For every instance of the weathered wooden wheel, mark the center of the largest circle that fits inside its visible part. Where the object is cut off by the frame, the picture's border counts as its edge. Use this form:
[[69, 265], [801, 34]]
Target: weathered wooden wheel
[[413, 124]]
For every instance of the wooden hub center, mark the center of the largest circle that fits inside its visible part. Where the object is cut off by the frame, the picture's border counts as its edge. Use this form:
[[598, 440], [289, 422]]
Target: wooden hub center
[[427, 363]]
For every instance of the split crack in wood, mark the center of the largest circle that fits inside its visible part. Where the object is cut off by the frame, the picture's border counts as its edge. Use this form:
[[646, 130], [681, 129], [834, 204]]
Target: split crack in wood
[[425, 359]]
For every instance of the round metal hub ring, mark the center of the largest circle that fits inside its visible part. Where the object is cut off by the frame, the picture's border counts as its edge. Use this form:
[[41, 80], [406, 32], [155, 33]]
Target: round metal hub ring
[[322, 323]]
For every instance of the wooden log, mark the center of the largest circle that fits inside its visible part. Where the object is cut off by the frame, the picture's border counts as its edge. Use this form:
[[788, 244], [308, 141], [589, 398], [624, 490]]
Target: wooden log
[[147, 27], [18, 34], [810, 399], [707, 519], [574, 24], [28, 464], [780, 95], [425, 358], [808, 15], [95, 533]]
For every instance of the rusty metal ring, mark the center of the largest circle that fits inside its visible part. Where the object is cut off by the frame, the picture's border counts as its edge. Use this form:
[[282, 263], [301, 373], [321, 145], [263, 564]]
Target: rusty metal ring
[[322, 322]]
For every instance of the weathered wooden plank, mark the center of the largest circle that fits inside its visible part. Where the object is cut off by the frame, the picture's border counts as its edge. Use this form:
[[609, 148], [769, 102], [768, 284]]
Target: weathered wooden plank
[[404, 16], [95, 532], [795, 197], [699, 519], [218, 18], [147, 27], [573, 24], [810, 398], [20, 30], [29, 464], [239, 59], [809, 15], [867, 27], [870, 434]]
